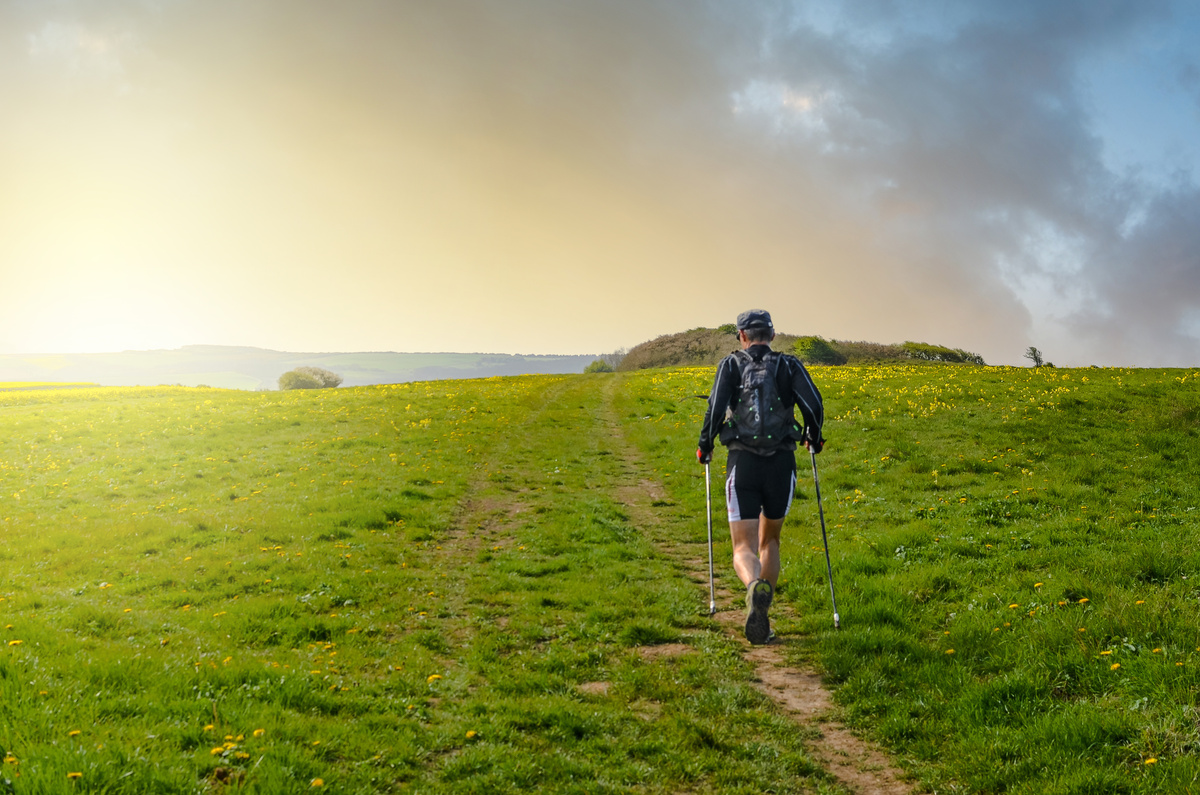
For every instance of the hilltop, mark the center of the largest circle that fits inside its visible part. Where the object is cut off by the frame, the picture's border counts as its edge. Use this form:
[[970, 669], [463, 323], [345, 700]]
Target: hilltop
[[706, 346]]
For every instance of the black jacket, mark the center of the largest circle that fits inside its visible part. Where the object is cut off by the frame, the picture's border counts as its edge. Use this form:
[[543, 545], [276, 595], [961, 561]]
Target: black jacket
[[796, 388]]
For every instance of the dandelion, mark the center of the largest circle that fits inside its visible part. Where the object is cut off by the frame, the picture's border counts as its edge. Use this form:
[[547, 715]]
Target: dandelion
[[15, 642], [1114, 666], [949, 651], [74, 775], [1140, 602], [1038, 584], [318, 782], [472, 734], [1151, 761], [220, 749], [1084, 600], [259, 732], [433, 678], [1103, 653], [74, 733], [1155, 651], [1010, 607]]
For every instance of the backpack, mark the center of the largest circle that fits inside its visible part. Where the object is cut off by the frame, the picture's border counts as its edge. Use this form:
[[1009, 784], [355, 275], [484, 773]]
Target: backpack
[[759, 419]]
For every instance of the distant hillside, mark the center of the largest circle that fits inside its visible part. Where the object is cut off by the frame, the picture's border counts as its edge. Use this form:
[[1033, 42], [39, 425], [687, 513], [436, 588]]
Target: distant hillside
[[707, 346], [256, 368]]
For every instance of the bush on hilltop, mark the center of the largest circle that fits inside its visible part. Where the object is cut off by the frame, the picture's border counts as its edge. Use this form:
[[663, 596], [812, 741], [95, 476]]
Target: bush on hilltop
[[309, 378]]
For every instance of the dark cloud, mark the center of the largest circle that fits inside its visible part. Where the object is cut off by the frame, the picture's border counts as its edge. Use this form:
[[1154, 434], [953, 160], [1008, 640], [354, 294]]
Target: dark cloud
[[973, 152]]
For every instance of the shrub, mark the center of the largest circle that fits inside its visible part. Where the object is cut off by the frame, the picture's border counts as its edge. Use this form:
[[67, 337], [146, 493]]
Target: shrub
[[937, 353], [698, 347], [816, 350], [309, 378], [613, 359], [598, 366]]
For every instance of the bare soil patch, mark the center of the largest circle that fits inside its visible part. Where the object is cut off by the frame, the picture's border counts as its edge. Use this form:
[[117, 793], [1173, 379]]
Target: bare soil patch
[[663, 651]]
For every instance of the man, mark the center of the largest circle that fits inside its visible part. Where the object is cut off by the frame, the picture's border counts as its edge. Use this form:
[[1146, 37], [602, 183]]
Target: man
[[751, 409]]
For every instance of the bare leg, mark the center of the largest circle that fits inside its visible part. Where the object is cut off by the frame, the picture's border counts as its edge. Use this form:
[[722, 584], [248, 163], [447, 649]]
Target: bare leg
[[768, 548], [745, 550], [756, 549]]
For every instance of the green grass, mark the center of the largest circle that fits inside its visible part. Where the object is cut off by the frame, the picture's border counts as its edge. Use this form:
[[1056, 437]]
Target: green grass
[[22, 385], [421, 587], [1016, 565], [433, 587]]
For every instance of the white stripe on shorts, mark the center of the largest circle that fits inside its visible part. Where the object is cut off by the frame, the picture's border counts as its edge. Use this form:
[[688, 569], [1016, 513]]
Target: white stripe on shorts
[[731, 500], [791, 495]]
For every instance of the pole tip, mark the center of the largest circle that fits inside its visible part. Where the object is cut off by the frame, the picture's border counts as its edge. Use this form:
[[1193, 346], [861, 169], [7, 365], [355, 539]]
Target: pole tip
[[837, 622]]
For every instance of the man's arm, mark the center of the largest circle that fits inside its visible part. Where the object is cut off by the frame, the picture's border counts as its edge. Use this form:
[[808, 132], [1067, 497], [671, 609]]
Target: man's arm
[[808, 400], [718, 403]]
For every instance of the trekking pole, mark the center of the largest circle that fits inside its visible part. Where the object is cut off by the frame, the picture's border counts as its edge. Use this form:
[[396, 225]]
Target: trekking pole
[[712, 594], [828, 566]]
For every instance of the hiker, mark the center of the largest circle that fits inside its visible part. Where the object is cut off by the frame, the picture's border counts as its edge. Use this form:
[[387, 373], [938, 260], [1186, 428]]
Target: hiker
[[751, 409]]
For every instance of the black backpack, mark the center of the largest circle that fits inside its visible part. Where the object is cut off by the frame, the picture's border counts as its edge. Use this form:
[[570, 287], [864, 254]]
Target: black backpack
[[759, 418]]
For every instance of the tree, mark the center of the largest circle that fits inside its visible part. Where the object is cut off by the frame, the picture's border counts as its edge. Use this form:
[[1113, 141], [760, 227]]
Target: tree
[[598, 366], [309, 378], [1035, 356]]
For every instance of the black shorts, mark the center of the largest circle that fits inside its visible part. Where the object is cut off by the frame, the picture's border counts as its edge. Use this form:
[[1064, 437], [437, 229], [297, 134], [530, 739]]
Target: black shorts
[[756, 484]]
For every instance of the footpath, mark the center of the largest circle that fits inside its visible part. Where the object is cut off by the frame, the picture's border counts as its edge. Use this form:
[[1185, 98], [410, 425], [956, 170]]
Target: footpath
[[855, 763]]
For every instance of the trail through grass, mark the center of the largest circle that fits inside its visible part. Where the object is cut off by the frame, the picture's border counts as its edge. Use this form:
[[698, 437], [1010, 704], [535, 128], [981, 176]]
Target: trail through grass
[[425, 588], [1016, 566], [435, 588]]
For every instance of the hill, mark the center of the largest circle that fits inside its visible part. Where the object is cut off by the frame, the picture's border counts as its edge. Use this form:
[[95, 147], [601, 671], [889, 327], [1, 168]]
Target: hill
[[257, 368], [706, 346]]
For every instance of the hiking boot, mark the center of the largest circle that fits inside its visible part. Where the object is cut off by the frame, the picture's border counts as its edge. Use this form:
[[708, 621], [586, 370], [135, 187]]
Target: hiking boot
[[758, 601]]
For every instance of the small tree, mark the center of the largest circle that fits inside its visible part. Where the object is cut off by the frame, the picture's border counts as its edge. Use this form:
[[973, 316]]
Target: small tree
[[598, 366], [613, 359], [309, 378], [1035, 356]]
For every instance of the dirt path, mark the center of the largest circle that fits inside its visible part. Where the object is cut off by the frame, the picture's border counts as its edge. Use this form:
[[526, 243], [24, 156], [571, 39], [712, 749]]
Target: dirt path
[[856, 764]]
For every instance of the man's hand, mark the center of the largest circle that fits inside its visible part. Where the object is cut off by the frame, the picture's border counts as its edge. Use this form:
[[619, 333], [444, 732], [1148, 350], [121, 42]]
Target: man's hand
[[702, 456], [814, 445]]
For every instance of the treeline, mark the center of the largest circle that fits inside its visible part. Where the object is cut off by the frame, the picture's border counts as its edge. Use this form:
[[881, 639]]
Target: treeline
[[707, 346]]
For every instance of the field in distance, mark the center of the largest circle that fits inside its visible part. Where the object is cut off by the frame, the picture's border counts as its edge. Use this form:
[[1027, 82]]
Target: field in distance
[[230, 367], [436, 587]]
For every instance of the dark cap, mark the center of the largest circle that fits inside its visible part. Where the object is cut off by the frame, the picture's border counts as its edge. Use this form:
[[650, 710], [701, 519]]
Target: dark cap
[[755, 318]]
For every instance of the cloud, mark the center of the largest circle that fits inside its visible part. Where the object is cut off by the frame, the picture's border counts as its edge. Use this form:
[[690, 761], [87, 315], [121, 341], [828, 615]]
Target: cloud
[[79, 50], [969, 154], [882, 169]]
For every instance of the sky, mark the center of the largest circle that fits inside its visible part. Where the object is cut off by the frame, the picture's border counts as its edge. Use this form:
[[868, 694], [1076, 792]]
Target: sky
[[578, 176]]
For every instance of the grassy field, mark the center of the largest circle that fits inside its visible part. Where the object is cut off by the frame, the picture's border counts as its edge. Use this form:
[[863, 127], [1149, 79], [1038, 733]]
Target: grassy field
[[435, 587], [23, 385]]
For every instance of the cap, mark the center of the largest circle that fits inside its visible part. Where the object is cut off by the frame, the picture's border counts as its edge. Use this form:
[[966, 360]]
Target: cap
[[755, 318]]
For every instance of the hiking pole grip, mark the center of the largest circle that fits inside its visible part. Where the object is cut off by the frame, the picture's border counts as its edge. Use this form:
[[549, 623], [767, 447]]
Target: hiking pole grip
[[712, 594], [837, 622]]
